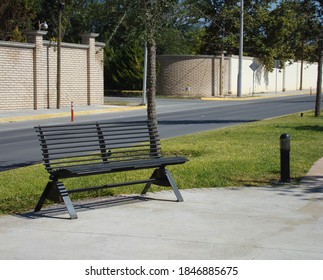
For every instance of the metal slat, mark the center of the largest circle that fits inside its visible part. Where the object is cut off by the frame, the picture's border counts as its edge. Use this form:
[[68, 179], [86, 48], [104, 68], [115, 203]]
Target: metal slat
[[69, 128], [64, 146], [112, 124], [120, 131], [55, 162], [96, 168], [78, 168], [127, 148], [90, 127], [86, 163], [68, 133], [65, 161], [73, 152], [72, 138]]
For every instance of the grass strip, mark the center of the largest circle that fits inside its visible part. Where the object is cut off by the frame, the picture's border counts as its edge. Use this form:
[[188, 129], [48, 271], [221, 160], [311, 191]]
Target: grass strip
[[244, 155]]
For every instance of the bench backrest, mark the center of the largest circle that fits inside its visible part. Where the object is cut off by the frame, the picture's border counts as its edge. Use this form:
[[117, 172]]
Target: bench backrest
[[93, 143]]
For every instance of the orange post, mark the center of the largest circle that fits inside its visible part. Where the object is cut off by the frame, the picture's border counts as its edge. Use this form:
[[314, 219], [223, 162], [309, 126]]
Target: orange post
[[72, 112]]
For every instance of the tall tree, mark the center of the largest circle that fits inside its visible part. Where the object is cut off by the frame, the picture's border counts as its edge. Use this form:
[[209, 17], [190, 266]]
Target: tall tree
[[149, 18], [319, 52], [178, 36], [222, 25], [270, 29], [319, 86]]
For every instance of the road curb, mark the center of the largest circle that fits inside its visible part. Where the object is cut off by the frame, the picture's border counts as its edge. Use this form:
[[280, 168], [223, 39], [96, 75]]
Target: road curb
[[68, 114], [248, 98]]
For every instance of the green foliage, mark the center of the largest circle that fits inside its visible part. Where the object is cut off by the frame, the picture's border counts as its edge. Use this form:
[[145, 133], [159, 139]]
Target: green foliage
[[124, 67], [78, 16], [287, 31], [17, 16], [149, 18], [288, 39]]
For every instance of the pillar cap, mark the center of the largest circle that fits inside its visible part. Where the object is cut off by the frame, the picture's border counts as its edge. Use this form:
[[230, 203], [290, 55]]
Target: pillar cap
[[37, 33], [90, 35]]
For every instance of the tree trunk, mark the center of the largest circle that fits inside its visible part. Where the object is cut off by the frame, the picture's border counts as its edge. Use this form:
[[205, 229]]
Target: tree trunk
[[151, 81], [319, 86], [151, 96]]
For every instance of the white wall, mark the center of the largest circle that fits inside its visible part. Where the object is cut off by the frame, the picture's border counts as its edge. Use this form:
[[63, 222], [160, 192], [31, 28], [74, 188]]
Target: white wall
[[276, 81]]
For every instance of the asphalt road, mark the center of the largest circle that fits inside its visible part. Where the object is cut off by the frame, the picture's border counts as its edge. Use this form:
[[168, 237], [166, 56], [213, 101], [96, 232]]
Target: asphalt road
[[19, 145]]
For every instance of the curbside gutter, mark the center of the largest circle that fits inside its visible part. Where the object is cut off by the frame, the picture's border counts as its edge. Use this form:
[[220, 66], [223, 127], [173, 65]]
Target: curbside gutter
[[253, 97], [67, 114]]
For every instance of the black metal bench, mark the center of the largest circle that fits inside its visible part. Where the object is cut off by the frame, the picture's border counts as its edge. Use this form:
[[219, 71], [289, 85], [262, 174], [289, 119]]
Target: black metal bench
[[76, 150]]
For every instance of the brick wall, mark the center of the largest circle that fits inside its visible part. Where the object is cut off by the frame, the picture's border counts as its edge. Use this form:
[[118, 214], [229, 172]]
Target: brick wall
[[192, 75], [16, 76], [28, 73]]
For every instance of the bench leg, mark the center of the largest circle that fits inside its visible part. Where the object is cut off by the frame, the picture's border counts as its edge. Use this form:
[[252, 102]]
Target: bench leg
[[68, 203], [147, 186], [43, 197], [164, 178], [56, 191], [173, 185]]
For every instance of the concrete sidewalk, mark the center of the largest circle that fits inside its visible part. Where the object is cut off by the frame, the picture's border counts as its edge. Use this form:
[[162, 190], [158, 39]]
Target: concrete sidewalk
[[274, 222]]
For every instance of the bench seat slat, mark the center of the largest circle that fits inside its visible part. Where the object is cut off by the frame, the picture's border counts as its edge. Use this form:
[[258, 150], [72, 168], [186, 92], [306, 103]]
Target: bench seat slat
[[99, 168], [81, 162]]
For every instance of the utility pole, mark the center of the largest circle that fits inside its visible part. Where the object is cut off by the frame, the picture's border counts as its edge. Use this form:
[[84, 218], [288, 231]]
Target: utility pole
[[59, 41], [144, 83], [239, 90]]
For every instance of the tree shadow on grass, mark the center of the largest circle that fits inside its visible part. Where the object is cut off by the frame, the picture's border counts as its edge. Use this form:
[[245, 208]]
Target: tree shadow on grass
[[310, 127], [305, 127], [196, 122], [4, 166]]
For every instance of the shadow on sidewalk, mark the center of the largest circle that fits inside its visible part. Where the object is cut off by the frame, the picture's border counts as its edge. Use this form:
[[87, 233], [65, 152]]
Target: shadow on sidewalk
[[59, 211]]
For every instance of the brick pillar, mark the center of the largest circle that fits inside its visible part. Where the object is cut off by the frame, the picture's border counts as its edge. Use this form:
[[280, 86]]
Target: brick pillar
[[89, 39], [36, 37]]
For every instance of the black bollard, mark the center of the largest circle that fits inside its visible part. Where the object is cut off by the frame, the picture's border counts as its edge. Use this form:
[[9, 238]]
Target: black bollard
[[285, 158]]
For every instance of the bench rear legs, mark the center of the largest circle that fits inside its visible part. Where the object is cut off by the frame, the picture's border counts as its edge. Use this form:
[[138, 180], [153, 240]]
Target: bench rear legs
[[164, 178], [57, 192]]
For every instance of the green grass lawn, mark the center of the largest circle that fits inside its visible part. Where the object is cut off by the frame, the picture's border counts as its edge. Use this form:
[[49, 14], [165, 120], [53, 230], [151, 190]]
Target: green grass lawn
[[243, 155]]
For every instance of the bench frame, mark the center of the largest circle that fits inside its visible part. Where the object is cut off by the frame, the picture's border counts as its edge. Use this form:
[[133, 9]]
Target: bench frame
[[56, 146]]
